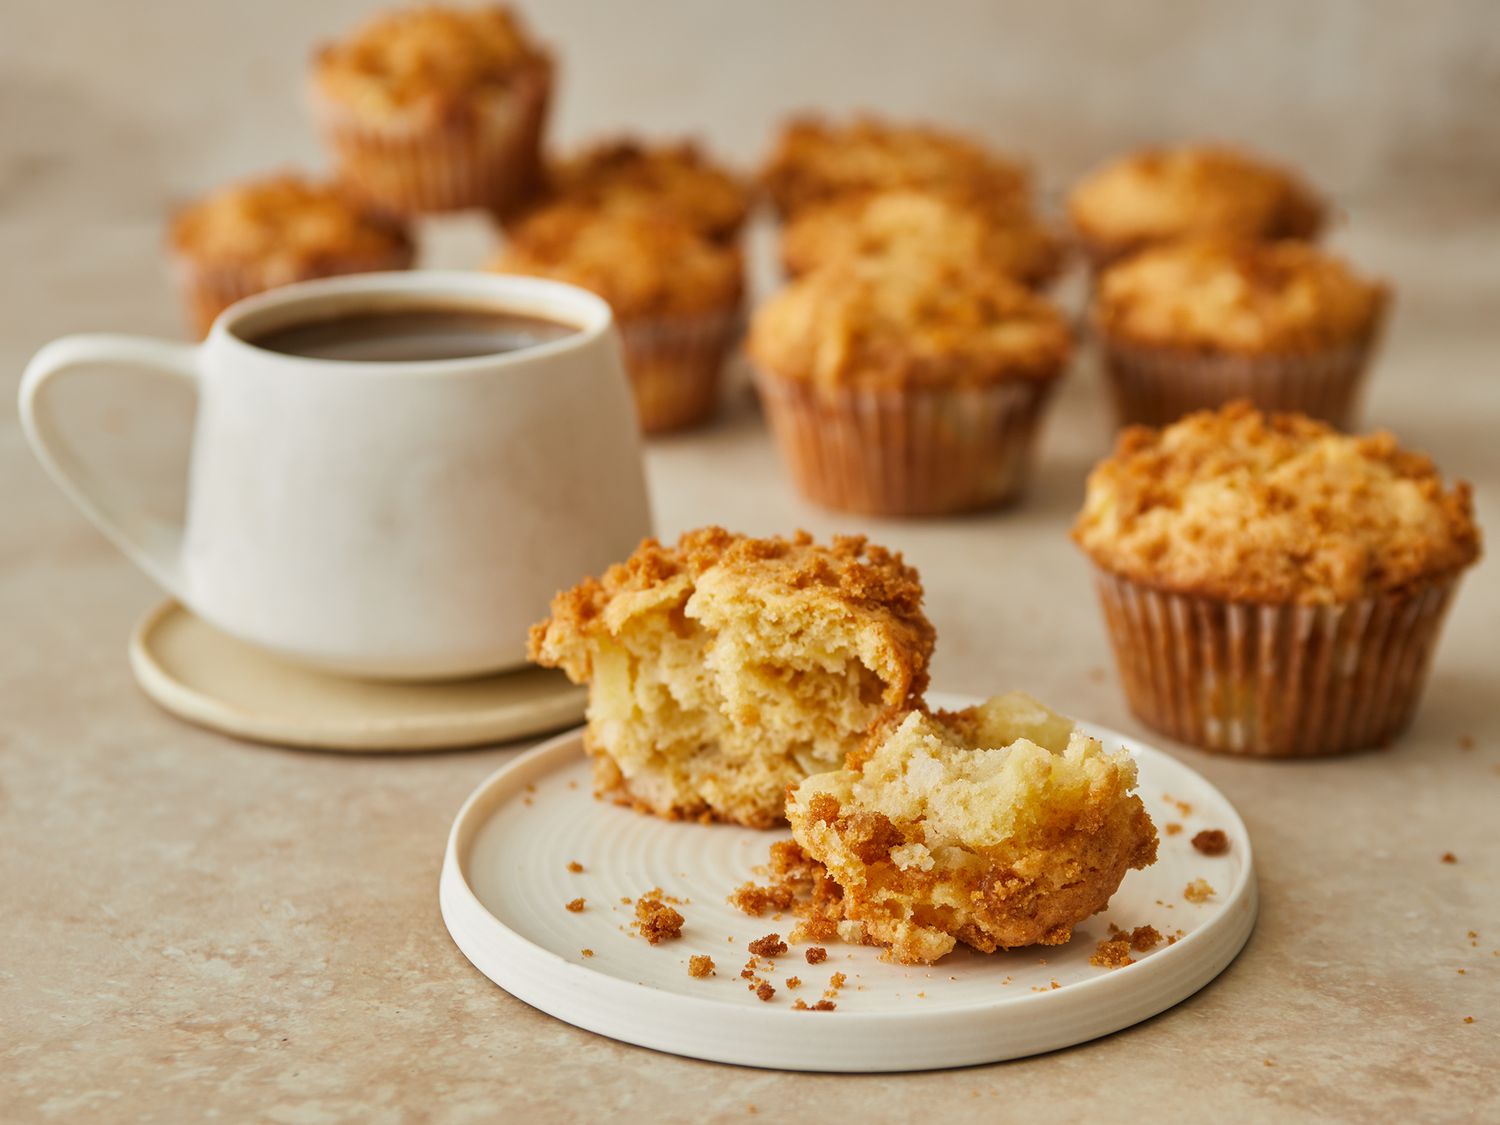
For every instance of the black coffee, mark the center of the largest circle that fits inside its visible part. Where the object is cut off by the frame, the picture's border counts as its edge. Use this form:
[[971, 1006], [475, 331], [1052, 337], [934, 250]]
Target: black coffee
[[403, 334]]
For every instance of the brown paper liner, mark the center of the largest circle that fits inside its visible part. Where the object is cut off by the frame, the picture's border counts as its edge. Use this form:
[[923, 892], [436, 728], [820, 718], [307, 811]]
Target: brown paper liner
[[488, 159], [1273, 681], [1157, 386], [674, 365], [207, 290], [919, 451]]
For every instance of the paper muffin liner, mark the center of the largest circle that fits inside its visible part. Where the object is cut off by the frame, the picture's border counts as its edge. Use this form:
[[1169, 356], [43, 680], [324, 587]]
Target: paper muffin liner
[[207, 290], [1155, 386], [919, 451], [1273, 681], [490, 158], [675, 364]]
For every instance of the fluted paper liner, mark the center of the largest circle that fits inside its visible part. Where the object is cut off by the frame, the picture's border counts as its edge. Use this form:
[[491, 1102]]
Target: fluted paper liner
[[1155, 386], [674, 365], [488, 159], [917, 451], [1274, 681]]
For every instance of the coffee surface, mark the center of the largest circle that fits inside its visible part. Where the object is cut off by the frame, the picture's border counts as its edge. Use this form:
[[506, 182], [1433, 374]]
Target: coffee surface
[[403, 335]]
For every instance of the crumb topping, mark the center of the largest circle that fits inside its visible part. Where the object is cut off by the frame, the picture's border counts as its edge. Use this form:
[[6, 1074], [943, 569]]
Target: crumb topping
[[1211, 841], [1162, 194], [678, 179], [815, 160], [287, 227], [433, 59], [878, 322], [1238, 505], [1268, 298], [656, 921], [643, 263], [914, 224], [700, 965]]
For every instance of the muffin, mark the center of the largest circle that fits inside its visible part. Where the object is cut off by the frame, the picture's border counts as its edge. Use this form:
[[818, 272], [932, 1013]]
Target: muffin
[[815, 162], [676, 297], [1003, 233], [1161, 195], [999, 826], [255, 235], [436, 109], [1273, 587], [677, 179], [1194, 324], [907, 388], [725, 668]]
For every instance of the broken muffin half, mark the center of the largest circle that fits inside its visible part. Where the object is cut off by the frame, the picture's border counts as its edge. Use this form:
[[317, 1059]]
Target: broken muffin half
[[1001, 825], [726, 668]]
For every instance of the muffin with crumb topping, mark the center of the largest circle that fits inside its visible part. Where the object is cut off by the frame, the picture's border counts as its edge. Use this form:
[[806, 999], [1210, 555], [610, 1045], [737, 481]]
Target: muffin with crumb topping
[[998, 826], [723, 668], [816, 161], [907, 387], [1191, 191], [1194, 324], [1002, 233], [1273, 587], [257, 234], [676, 296], [436, 108], [676, 178]]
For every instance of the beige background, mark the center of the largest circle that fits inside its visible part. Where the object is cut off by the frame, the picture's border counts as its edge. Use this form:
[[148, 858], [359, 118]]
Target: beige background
[[191, 925]]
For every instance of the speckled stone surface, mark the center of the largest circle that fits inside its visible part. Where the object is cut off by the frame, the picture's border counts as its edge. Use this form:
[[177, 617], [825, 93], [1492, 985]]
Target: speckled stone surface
[[195, 928]]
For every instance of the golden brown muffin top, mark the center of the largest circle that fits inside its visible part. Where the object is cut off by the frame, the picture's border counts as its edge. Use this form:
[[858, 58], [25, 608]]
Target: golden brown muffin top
[[430, 59], [678, 179], [1003, 234], [885, 323], [283, 223], [644, 264], [815, 161], [1166, 193], [866, 580], [1267, 297], [1234, 504]]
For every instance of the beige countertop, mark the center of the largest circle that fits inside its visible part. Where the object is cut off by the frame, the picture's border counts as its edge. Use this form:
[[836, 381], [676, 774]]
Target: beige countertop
[[196, 924]]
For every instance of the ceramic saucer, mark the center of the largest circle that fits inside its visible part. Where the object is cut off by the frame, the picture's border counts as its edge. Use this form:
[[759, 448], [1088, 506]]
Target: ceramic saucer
[[208, 678]]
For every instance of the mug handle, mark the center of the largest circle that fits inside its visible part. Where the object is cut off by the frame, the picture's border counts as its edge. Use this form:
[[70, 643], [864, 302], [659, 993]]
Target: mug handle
[[153, 544]]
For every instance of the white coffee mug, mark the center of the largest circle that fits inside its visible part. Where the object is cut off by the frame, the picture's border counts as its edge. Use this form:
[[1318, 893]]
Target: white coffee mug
[[384, 519]]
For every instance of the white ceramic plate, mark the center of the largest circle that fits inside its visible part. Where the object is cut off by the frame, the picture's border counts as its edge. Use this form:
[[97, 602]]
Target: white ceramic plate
[[505, 881], [206, 677]]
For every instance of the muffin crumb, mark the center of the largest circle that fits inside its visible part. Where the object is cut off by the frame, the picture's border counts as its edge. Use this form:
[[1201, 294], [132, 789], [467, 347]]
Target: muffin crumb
[[576, 906], [1211, 841], [656, 921], [700, 965], [587, 952], [765, 990], [1198, 890], [575, 867], [1449, 857], [815, 954], [769, 946]]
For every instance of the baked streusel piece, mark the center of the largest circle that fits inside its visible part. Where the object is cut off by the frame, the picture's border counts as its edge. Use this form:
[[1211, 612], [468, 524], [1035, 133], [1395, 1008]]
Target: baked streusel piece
[[677, 179], [1001, 825], [815, 161], [1160, 195], [1003, 234], [725, 668]]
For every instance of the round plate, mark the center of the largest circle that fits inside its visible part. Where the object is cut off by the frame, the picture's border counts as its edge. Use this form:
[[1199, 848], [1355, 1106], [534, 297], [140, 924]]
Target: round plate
[[505, 881], [208, 678]]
